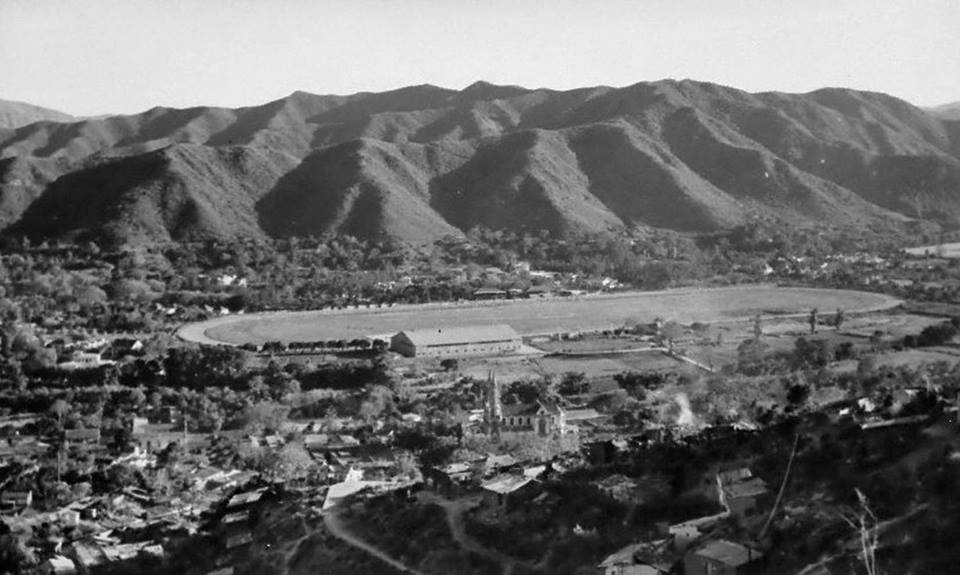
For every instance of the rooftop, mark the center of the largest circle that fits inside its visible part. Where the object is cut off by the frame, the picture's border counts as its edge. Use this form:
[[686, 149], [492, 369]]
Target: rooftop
[[532, 408], [650, 553], [728, 553], [461, 335], [749, 488], [504, 484], [734, 475]]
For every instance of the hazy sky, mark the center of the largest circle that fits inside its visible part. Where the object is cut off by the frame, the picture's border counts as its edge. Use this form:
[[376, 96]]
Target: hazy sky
[[98, 56]]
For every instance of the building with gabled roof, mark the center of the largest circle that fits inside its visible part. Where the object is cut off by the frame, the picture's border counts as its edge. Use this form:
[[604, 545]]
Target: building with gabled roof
[[722, 557], [457, 341], [544, 418], [15, 501], [503, 491], [57, 565], [645, 558], [82, 435], [740, 492]]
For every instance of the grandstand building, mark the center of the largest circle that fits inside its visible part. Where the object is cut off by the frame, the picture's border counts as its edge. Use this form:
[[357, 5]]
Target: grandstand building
[[457, 341]]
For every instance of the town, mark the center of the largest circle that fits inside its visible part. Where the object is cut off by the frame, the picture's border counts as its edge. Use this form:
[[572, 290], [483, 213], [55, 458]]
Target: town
[[775, 440]]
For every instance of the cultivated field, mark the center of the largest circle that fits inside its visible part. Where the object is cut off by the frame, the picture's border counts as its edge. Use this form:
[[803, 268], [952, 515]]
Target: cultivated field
[[538, 316]]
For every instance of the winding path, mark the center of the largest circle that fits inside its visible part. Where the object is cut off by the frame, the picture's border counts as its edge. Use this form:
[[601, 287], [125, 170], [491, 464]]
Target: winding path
[[454, 511], [335, 525]]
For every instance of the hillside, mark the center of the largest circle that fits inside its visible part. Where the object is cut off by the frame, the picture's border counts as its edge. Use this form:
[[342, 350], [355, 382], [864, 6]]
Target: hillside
[[16, 114], [423, 162], [947, 111]]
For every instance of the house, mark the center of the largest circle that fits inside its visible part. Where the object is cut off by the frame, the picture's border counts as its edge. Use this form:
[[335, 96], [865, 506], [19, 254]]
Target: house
[[489, 293], [84, 360], [57, 565], [235, 518], [86, 556], [646, 558], [82, 435], [15, 501], [577, 418], [721, 557], [457, 341], [122, 346], [685, 534], [238, 540], [539, 291], [244, 499], [504, 491], [448, 478], [608, 450], [740, 492], [620, 487], [231, 280], [494, 464]]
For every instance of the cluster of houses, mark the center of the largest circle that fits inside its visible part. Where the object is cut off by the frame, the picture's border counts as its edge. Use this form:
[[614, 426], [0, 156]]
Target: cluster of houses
[[116, 530], [93, 353], [698, 546]]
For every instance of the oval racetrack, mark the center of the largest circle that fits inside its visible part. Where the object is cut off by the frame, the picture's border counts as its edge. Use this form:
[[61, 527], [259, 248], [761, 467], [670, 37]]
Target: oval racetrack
[[536, 316]]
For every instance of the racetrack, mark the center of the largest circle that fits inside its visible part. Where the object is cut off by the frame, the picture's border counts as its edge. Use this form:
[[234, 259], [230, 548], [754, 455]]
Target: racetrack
[[535, 316]]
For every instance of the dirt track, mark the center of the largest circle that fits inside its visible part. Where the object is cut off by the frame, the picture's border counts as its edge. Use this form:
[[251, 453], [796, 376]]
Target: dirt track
[[537, 316]]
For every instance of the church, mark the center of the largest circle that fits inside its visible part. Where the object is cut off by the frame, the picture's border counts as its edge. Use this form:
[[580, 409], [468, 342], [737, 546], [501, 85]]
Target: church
[[542, 418]]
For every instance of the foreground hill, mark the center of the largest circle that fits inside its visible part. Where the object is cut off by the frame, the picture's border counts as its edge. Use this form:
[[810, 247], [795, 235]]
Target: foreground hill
[[423, 162], [16, 114]]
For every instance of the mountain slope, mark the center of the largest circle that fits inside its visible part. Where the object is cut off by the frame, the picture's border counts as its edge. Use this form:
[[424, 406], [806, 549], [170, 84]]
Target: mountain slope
[[422, 162], [947, 111], [180, 192], [14, 115]]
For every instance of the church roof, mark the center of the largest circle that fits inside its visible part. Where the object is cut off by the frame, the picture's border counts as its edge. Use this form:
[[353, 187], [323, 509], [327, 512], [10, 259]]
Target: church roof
[[534, 408]]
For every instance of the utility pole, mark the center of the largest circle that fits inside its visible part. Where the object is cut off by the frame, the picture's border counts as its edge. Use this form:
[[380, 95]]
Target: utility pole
[[783, 486]]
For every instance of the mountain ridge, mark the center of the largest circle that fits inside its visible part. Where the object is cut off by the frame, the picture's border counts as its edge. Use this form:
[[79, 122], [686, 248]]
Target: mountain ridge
[[14, 114], [421, 162]]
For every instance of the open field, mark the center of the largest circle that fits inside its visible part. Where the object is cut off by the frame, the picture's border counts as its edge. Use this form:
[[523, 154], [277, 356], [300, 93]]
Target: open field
[[950, 250], [537, 316]]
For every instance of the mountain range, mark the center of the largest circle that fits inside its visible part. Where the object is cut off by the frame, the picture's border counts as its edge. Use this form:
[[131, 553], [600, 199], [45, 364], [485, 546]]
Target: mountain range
[[423, 162]]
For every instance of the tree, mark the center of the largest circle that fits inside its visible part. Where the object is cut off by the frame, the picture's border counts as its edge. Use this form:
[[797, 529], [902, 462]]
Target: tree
[[265, 417], [406, 466], [292, 462], [573, 383], [838, 318], [638, 384], [120, 476], [198, 367], [90, 296], [797, 394], [290, 387], [812, 319], [60, 408], [670, 333], [378, 400], [812, 353], [757, 327], [450, 364]]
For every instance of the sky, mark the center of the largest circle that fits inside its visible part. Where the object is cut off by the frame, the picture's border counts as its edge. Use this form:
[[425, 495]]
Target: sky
[[90, 57]]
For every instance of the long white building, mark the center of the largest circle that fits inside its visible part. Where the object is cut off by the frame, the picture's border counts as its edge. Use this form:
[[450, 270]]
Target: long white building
[[457, 341]]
